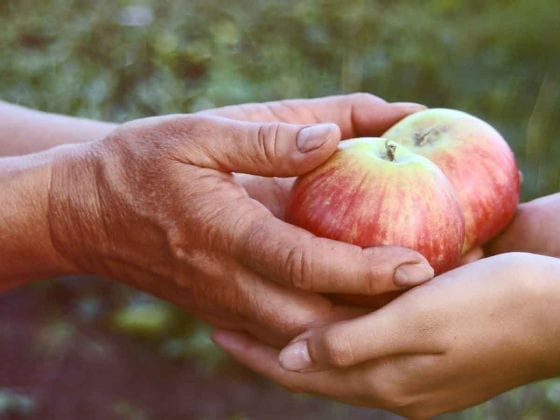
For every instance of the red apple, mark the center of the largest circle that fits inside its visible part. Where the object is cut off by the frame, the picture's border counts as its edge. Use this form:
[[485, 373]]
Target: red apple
[[477, 161], [375, 192]]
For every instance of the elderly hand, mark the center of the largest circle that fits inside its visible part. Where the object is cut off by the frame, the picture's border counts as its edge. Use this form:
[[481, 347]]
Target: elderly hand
[[450, 343], [155, 205]]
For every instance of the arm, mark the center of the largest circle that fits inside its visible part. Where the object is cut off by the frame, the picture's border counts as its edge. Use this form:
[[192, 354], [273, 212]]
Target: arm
[[24, 130], [26, 247]]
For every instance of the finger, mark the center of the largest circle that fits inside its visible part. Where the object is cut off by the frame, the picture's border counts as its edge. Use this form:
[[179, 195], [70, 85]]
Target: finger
[[471, 256], [358, 114], [276, 314], [387, 332], [267, 149], [264, 360], [296, 258], [374, 385]]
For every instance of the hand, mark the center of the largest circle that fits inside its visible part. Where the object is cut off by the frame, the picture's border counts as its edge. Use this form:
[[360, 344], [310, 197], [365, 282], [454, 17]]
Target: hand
[[450, 343], [357, 115], [535, 229], [155, 205]]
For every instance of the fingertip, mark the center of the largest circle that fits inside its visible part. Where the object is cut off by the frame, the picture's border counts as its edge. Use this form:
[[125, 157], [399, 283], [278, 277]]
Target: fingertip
[[408, 107], [316, 136], [295, 357], [411, 268], [403, 267], [409, 275], [377, 118]]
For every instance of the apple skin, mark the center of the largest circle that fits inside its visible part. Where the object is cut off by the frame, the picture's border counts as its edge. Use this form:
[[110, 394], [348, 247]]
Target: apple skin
[[361, 196], [476, 160]]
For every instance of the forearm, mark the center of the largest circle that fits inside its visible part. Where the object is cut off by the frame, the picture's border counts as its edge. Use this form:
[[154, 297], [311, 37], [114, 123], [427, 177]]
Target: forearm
[[25, 244], [23, 130]]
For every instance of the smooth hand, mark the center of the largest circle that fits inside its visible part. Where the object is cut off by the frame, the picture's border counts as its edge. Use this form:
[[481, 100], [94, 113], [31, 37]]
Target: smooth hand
[[450, 343], [156, 205], [535, 229]]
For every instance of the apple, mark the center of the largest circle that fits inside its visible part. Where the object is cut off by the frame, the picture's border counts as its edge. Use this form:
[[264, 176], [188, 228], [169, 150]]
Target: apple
[[476, 160], [374, 192]]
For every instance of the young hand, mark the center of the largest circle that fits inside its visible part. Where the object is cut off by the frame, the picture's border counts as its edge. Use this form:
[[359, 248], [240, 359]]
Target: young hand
[[450, 343]]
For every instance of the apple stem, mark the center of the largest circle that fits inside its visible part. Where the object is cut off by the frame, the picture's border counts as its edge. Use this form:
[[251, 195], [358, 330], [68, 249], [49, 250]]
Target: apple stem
[[390, 147]]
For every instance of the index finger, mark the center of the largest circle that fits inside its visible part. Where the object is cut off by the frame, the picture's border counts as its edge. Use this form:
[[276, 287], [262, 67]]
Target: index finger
[[358, 114]]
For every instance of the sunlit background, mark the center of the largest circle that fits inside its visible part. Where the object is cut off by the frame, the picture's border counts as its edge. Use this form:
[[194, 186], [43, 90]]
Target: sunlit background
[[87, 348]]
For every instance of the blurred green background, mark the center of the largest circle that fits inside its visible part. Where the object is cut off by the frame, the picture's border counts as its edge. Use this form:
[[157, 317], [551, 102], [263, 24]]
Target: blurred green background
[[119, 60]]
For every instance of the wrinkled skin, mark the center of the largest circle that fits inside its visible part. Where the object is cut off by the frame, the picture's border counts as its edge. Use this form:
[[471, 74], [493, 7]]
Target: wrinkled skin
[[155, 204]]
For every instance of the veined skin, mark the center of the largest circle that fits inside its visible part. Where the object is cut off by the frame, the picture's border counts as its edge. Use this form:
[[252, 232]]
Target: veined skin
[[362, 197], [477, 161]]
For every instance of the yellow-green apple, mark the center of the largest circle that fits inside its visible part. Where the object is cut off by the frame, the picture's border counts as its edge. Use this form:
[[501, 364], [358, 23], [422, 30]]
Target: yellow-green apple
[[477, 161], [373, 192]]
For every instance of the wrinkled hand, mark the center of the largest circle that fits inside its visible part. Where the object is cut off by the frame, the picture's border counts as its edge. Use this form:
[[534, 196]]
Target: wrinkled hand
[[155, 205], [535, 229], [450, 343], [356, 115]]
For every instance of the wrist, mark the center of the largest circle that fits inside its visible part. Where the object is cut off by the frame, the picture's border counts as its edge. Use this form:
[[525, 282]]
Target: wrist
[[27, 250], [74, 213]]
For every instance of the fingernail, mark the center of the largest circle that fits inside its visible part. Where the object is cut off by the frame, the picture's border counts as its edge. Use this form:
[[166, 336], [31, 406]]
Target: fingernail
[[295, 357], [407, 275], [409, 107], [314, 136]]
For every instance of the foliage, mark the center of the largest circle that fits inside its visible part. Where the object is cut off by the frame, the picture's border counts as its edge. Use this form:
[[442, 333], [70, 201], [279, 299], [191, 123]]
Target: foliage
[[124, 59]]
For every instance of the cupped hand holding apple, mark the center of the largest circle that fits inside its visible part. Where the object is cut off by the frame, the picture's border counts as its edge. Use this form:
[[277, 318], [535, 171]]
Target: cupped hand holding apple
[[455, 341], [155, 204], [465, 336]]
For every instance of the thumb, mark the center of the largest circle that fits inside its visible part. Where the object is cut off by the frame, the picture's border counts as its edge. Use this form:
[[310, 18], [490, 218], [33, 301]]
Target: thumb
[[266, 149], [351, 342]]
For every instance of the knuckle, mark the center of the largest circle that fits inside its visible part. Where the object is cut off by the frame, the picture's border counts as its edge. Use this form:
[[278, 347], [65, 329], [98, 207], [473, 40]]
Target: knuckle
[[366, 98], [337, 349], [267, 141], [172, 127], [377, 269], [298, 268]]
